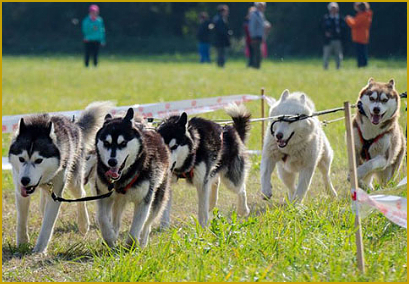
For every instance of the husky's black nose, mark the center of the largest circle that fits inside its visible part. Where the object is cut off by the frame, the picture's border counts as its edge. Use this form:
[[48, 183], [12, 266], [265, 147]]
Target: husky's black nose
[[279, 135], [25, 181], [112, 162], [376, 110]]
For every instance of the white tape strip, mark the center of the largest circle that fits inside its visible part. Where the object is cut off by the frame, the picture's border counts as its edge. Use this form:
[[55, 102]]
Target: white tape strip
[[402, 182], [158, 110], [5, 165], [393, 207]]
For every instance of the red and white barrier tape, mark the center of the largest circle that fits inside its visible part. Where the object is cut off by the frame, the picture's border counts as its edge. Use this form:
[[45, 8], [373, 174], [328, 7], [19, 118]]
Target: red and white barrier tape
[[157, 110], [393, 207]]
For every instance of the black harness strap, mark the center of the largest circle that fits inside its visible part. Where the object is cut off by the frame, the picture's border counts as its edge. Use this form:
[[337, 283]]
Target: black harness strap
[[83, 199]]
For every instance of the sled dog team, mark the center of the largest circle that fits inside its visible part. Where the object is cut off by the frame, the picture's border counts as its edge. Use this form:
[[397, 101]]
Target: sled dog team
[[138, 163]]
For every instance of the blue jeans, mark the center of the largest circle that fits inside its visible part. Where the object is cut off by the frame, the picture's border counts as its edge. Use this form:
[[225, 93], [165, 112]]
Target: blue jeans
[[362, 54], [204, 51]]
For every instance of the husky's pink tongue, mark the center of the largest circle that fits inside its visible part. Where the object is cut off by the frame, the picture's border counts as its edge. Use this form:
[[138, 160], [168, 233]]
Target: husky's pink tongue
[[112, 173], [282, 143], [23, 191], [376, 118]]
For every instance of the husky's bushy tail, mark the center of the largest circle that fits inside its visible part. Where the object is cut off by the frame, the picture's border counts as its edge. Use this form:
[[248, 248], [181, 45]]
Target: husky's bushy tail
[[92, 118], [241, 119]]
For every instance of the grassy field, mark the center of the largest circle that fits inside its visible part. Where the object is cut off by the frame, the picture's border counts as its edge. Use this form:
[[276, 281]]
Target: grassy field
[[312, 242]]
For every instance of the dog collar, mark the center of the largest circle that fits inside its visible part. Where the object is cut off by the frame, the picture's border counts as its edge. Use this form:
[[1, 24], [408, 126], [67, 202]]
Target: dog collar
[[366, 144], [188, 174], [128, 186]]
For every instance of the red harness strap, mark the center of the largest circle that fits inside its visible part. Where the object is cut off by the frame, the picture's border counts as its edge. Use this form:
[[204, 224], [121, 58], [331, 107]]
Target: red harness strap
[[128, 186], [366, 144], [190, 173], [187, 174]]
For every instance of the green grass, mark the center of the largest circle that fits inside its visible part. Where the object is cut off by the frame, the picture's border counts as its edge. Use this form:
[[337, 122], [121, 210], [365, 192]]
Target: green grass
[[278, 242]]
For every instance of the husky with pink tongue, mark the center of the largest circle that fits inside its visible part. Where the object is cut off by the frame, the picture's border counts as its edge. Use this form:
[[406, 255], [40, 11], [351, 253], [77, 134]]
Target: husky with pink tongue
[[297, 147], [48, 152], [133, 161], [380, 144]]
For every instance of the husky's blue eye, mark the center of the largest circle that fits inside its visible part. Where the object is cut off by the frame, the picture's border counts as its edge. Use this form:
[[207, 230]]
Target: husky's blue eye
[[123, 144], [38, 161], [174, 147], [21, 159]]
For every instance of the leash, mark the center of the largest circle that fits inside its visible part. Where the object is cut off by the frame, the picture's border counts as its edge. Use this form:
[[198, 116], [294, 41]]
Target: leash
[[111, 188], [83, 199]]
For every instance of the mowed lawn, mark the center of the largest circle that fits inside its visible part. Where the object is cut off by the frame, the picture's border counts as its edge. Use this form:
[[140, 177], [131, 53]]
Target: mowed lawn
[[277, 242]]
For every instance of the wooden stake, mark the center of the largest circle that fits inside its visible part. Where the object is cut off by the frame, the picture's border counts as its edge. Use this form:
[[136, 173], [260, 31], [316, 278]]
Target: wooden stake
[[262, 116], [354, 186]]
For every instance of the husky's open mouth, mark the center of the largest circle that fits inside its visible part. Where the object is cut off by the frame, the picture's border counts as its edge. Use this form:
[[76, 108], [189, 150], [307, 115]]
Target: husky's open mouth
[[27, 190], [376, 118], [114, 174], [283, 143]]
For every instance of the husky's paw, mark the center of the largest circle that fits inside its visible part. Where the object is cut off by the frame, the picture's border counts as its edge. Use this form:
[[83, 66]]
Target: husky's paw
[[42, 251], [143, 242], [266, 196], [83, 228], [23, 239], [243, 212], [131, 242]]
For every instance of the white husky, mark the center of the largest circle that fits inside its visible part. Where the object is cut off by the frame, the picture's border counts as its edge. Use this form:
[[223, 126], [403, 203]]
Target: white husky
[[296, 147]]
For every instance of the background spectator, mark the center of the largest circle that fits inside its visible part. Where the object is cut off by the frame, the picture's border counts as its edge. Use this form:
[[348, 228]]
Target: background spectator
[[247, 38], [257, 25], [222, 33], [333, 26], [360, 25], [203, 36], [94, 34]]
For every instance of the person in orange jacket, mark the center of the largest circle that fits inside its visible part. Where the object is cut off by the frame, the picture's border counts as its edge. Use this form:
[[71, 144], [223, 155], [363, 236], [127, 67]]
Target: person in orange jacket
[[360, 25]]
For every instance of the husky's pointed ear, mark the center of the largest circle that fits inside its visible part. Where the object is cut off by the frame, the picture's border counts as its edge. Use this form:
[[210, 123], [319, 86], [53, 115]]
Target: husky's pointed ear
[[391, 83], [129, 114], [51, 131], [370, 81], [108, 117], [21, 127], [285, 95], [302, 99], [182, 119]]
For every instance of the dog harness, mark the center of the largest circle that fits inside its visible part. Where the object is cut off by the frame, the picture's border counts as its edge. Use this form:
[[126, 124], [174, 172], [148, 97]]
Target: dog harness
[[128, 186], [190, 174], [366, 144]]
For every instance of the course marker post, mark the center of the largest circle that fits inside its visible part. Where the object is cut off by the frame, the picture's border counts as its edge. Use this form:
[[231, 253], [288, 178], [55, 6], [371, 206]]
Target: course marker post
[[262, 116], [354, 185]]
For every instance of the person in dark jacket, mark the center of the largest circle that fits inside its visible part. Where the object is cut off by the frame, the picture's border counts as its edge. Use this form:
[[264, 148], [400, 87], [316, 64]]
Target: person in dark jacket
[[333, 27], [257, 28], [203, 36], [222, 33]]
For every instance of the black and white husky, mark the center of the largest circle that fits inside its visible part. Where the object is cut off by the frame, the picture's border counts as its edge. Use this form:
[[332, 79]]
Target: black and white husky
[[48, 152], [202, 151], [133, 161]]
